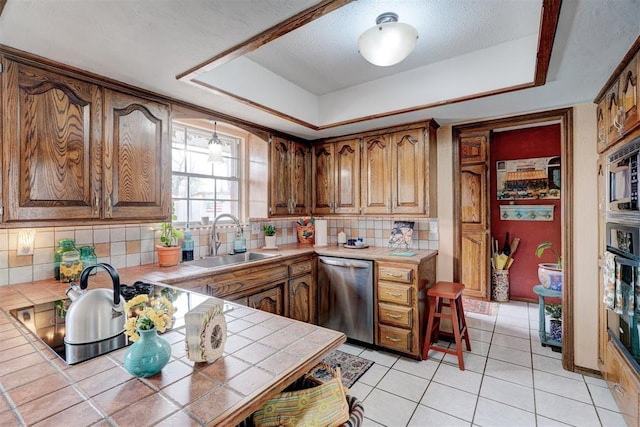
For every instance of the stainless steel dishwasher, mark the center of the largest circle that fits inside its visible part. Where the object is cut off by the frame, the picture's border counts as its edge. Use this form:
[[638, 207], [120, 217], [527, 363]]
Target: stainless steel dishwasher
[[345, 296]]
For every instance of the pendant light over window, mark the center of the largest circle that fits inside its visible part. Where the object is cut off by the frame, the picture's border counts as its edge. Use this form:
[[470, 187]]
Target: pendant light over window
[[215, 146], [388, 42]]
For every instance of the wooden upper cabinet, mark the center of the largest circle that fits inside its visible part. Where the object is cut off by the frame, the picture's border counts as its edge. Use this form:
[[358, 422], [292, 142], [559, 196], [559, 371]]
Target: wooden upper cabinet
[[336, 177], [280, 177], [602, 127], [347, 177], [628, 94], [136, 166], [612, 104], [289, 177], [52, 126], [473, 149], [323, 179], [408, 169], [376, 174]]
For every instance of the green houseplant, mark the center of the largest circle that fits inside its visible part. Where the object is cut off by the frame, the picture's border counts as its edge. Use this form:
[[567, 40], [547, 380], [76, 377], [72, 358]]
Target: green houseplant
[[270, 235], [549, 274], [169, 249]]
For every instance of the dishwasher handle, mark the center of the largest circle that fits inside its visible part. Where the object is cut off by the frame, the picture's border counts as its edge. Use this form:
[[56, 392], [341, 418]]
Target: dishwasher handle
[[340, 262]]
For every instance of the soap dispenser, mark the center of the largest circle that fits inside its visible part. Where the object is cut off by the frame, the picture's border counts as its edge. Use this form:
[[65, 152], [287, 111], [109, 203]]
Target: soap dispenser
[[240, 243], [187, 246]]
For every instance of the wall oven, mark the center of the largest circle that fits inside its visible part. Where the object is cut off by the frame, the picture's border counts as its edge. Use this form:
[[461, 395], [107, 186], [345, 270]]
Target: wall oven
[[621, 271], [622, 179]]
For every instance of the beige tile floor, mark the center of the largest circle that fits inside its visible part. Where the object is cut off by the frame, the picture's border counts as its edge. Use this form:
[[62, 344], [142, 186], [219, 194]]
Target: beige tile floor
[[509, 380]]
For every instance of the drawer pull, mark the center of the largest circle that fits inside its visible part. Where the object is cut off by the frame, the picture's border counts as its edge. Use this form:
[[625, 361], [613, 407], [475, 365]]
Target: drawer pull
[[392, 339], [618, 389], [394, 316], [394, 295], [395, 274]]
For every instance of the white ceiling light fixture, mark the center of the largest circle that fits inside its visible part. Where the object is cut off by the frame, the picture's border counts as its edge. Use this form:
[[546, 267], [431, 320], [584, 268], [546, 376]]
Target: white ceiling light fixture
[[388, 42], [215, 146]]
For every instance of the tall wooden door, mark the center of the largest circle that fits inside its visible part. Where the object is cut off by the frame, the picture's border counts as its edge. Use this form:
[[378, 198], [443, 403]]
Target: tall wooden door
[[52, 153], [137, 167], [474, 254]]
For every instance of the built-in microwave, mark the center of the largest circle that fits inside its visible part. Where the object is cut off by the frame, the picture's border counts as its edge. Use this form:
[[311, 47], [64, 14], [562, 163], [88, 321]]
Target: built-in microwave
[[623, 178]]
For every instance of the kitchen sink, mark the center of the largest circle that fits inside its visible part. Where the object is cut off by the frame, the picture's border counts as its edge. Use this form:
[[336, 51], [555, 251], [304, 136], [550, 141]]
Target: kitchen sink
[[223, 260]]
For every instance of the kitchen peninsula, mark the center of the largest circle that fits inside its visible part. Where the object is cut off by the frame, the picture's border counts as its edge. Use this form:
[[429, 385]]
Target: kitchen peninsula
[[263, 354]]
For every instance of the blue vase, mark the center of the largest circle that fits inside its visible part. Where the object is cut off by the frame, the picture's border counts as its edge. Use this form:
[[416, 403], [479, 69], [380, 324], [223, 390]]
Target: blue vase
[[148, 355]]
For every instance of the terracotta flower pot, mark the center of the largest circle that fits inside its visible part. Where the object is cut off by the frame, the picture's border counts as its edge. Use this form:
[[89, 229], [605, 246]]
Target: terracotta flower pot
[[168, 255], [306, 234]]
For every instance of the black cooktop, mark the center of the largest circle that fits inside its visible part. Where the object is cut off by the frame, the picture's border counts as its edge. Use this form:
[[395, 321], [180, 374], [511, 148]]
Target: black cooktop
[[47, 321]]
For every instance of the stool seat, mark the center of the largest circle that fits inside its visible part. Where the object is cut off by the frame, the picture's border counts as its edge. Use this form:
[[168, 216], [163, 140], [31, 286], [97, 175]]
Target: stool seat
[[449, 290], [436, 295]]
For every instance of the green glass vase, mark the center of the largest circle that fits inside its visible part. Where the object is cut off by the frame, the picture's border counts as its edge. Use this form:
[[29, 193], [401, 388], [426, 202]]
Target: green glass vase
[[148, 355]]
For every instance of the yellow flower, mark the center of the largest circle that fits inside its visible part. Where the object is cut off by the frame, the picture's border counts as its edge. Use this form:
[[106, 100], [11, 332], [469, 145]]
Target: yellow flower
[[145, 314]]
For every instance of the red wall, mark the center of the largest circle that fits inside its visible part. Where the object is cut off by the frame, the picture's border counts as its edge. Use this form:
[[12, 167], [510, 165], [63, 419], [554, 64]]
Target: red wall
[[523, 144]]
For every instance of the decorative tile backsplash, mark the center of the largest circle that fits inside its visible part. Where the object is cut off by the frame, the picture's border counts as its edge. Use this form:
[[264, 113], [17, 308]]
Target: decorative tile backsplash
[[132, 245]]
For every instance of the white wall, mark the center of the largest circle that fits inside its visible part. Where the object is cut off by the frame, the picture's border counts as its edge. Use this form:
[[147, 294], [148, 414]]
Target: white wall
[[585, 235]]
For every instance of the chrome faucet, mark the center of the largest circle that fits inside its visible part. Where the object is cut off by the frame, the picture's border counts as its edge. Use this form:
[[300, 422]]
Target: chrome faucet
[[215, 236]]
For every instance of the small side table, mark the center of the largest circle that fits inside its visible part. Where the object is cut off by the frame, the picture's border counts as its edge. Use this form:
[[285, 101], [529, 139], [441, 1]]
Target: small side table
[[543, 293]]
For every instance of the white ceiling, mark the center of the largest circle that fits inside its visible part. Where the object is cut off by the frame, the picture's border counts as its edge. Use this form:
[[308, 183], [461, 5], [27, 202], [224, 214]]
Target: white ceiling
[[315, 74]]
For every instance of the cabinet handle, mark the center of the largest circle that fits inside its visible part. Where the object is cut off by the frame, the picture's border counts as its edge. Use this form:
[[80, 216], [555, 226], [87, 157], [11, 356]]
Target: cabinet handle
[[394, 295], [394, 274], [618, 389], [96, 207], [394, 316], [109, 210], [392, 339], [395, 203]]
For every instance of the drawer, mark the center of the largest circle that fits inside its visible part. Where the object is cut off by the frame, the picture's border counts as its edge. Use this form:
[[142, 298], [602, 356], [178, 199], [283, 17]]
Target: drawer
[[395, 292], [395, 338], [395, 274], [396, 315], [300, 267], [624, 388]]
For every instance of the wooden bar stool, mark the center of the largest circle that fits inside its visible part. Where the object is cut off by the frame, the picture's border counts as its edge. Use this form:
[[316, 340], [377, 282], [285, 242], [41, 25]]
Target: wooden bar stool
[[452, 292]]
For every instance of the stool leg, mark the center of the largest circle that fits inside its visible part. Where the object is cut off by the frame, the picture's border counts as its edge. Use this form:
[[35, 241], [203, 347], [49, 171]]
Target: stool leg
[[436, 320], [455, 324], [463, 321], [429, 332]]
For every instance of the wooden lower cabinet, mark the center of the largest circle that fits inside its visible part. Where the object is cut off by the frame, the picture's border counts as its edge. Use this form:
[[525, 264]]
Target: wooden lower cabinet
[[401, 304], [624, 384], [270, 300], [303, 290]]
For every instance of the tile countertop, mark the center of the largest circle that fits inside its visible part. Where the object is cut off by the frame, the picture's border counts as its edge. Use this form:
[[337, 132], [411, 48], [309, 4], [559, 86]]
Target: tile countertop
[[263, 354]]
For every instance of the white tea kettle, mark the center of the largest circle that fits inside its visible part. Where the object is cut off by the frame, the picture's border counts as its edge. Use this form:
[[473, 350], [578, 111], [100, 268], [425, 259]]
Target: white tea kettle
[[94, 315]]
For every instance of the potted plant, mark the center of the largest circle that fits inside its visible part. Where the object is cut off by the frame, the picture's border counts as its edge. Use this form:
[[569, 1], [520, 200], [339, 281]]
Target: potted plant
[[550, 274], [270, 236], [555, 323], [169, 249]]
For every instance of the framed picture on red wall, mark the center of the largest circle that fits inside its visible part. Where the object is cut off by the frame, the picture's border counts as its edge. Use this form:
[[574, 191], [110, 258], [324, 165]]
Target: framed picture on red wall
[[535, 178]]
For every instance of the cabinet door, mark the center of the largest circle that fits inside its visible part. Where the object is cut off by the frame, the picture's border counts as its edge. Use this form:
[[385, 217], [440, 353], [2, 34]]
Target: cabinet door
[[347, 177], [323, 175], [376, 175], [612, 109], [300, 182], [473, 194], [137, 167], [408, 169], [52, 148], [270, 300], [473, 149], [628, 96], [601, 122], [280, 173], [475, 271], [302, 299]]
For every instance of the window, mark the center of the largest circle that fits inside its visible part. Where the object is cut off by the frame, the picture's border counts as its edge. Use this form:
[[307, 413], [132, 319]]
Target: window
[[201, 188]]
